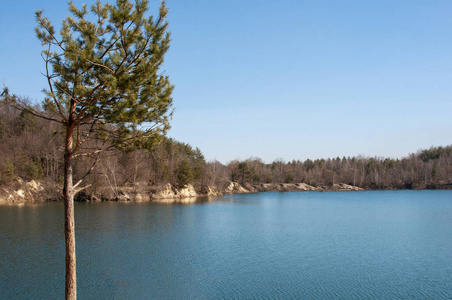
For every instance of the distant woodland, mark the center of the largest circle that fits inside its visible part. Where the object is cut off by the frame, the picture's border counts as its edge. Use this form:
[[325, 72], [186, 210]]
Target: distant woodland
[[31, 149]]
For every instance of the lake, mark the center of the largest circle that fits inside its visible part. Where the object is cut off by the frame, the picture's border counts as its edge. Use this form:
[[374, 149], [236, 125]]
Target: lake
[[300, 245]]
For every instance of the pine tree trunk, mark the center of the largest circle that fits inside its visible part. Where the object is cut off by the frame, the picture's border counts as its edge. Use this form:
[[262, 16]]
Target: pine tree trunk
[[69, 223]]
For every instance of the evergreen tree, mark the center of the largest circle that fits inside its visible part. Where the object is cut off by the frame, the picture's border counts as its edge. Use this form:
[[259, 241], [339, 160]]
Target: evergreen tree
[[104, 82], [244, 171], [8, 171], [34, 169], [184, 174]]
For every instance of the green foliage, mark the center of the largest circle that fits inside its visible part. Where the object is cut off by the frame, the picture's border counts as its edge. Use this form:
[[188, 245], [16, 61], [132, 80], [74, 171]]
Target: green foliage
[[371, 165], [26, 121], [8, 171], [389, 163], [193, 157], [289, 178], [309, 164], [105, 73], [3, 129], [243, 171], [34, 169], [435, 153], [184, 174], [166, 176]]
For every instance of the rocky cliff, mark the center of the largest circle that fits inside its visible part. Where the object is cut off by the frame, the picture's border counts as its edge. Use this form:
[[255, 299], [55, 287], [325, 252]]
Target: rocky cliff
[[21, 192]]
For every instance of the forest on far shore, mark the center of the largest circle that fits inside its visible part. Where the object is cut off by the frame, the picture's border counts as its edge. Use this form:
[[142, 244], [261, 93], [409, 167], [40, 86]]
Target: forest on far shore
[[31, 149]]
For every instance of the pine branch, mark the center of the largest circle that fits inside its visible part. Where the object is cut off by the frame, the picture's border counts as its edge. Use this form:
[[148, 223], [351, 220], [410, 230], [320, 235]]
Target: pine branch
[[49, 80], [100, 65]]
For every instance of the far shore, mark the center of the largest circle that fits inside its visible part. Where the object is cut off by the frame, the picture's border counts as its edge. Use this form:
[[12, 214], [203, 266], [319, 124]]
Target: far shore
[[39, 192]]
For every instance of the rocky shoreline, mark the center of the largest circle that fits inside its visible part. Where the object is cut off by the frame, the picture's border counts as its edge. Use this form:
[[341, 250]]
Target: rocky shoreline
[[22, 192]]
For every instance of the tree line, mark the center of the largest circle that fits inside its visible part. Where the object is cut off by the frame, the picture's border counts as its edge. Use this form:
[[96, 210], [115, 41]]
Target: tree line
[[31, 148], [107, 108], [426, 168]]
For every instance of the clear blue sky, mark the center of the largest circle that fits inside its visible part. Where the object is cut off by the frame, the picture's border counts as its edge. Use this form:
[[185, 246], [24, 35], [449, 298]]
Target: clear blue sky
[[286, 79]]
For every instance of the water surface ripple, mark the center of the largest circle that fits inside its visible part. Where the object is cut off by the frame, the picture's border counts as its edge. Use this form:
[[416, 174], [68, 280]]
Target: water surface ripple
[[345, 245]]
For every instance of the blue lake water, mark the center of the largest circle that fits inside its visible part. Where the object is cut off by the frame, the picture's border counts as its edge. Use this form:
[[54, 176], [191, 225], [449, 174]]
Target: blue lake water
[[310, 245]]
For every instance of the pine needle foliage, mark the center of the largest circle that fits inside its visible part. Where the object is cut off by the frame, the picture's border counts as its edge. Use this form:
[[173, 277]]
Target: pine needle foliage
[[103, 72]]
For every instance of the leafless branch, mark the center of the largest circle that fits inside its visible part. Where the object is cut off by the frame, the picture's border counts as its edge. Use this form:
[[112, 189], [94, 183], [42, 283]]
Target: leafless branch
[[25, 108], [76, 191]]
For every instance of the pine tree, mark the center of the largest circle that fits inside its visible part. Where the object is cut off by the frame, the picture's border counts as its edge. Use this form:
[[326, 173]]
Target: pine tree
[[104, 83], [184, 174]]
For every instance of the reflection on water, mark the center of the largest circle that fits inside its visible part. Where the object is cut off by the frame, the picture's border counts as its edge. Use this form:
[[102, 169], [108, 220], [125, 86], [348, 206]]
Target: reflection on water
[[393, 244]]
